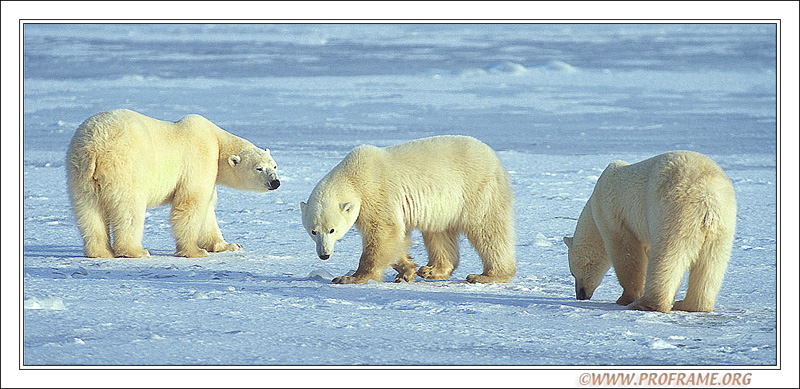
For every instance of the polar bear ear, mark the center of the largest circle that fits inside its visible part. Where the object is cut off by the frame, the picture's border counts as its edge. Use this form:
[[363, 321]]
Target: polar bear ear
[[234, 160], [347, 207], [568, 241], [303, 207]]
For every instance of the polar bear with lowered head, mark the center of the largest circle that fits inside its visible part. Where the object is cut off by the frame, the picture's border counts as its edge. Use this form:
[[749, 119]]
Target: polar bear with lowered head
[[652, 221], [120, 163], [443, 186]]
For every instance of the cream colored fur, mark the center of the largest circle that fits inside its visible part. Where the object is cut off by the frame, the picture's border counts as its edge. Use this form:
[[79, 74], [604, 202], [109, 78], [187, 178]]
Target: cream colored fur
[[443, 186], [652, 221], [120, 163]]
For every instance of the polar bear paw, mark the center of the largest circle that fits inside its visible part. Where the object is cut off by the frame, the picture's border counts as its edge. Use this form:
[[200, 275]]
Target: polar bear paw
[[644, 305], [349, 280], [405, 269], [405, 276], [221, 246], [131, 253], [484, 279], [625, 299], [684, 305], [433, 273], [193, 252], [99, 253]]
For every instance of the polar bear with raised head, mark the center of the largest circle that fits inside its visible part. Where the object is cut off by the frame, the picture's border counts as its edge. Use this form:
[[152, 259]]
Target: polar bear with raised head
[[443, 186], [120, 163], [652, 221]]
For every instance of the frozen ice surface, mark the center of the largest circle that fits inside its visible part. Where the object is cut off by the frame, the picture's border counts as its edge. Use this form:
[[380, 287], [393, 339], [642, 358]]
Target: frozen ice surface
[[557, 102]]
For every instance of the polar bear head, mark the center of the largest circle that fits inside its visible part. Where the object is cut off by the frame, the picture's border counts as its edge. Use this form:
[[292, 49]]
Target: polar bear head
[[327, 220], [588, 263], [249, 169]]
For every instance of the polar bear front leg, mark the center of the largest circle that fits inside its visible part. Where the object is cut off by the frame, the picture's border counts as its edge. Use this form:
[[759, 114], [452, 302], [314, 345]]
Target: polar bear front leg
[[629, 257], [368, 269], [210, 235], [382, 247]]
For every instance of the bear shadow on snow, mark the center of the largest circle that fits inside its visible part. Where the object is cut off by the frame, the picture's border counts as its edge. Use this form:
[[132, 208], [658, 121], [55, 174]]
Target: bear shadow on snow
[[48, 250]]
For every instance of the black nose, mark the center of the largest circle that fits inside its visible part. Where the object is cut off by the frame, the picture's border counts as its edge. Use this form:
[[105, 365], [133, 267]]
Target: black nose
[[324, 256], [580, 294], [274, 184]]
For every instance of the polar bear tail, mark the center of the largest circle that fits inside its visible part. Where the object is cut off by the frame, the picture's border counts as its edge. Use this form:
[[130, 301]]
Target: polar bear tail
[[719, 206], [712, 217], [81, 171]]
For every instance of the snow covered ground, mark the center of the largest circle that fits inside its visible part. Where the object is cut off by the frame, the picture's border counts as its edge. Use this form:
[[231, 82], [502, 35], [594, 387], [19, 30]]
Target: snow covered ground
[[557, 102]]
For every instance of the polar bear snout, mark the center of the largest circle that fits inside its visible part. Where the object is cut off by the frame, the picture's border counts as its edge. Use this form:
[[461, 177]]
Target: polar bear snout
[[580, 293], [274, 184], [325, 244], [323, 251]]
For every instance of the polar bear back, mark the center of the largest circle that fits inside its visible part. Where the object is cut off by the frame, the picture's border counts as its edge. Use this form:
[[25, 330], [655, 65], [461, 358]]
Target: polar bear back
[[436, 183], [156, 151], [125, 129], [663, 186]]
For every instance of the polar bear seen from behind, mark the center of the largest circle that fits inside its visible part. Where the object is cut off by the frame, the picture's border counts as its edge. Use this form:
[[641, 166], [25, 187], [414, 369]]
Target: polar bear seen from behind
[[121, 163], [443, 186], [652, 221]]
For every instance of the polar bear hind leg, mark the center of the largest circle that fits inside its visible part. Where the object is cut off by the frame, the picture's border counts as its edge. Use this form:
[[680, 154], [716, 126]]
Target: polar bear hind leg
[[404, 265], [669, 259], [186, 217], [493, 239], [405, 269], [84, 195], [127, 221], [92, 222], [443, 256], [705, 276]]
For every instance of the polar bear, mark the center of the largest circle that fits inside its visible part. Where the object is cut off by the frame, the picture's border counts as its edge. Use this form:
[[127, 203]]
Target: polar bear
[[120, 163], [443, 186], [652, 221]]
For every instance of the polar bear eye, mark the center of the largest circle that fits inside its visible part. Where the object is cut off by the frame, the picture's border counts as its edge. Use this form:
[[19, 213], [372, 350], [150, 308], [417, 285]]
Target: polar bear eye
[[260, 169], [313, 232], [331, 231]]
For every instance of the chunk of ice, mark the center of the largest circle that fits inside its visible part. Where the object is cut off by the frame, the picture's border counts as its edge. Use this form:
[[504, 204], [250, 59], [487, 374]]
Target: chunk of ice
[[541, 240], [320, 275]]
